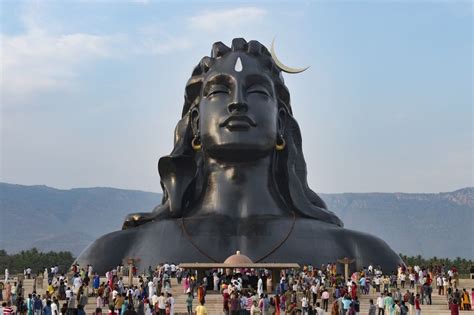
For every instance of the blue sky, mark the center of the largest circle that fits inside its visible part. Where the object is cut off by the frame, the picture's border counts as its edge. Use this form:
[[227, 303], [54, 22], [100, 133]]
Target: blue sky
[[91, 91]]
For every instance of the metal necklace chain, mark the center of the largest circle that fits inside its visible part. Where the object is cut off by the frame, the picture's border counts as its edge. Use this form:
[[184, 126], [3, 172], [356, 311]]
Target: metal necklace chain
[[274, 249]]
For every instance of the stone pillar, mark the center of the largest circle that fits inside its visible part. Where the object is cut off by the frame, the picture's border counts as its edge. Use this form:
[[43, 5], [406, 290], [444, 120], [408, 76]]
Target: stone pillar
[[200, 275], [130, 276], [275, 279], [346, 261]]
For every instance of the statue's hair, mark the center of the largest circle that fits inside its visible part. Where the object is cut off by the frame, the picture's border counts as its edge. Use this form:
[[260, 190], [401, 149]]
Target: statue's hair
[[185, 165]]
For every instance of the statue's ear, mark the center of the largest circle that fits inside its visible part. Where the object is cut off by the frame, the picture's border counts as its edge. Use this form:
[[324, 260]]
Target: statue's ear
[[195, 120], [282, 120]]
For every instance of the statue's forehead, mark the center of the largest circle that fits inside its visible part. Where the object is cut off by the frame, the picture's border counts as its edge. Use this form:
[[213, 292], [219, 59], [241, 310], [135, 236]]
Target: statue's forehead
[[229, 65]]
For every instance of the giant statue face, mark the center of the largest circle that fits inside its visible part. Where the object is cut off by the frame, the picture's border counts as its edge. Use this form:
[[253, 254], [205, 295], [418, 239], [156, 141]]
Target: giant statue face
[[238, 109]]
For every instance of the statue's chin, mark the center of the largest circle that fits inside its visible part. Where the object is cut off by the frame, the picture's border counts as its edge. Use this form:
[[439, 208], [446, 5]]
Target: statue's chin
[[237, 152]]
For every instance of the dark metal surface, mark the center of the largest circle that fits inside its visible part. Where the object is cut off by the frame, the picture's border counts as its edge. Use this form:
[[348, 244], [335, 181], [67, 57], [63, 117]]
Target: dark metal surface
[[235, 189]]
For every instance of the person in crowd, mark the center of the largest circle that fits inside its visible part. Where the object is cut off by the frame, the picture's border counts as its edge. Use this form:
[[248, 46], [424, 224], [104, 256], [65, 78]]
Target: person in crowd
[[454, 307], [201, 309], [417, 305], [466, 301], [372, 307], [381, 304], [189, 303]]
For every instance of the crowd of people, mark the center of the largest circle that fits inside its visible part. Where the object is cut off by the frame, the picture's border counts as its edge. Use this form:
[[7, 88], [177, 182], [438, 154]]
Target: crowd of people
[[311, 290], [308, 291]]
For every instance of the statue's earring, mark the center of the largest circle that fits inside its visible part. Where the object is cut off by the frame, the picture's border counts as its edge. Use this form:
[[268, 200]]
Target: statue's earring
[[196, 143], [281, 143]]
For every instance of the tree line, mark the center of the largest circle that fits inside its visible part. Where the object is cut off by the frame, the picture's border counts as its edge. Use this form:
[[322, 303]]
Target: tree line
[[462, 265], [36, 260]]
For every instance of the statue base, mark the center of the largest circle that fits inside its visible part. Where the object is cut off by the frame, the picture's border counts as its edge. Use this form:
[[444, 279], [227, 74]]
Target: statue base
[[204, 239]]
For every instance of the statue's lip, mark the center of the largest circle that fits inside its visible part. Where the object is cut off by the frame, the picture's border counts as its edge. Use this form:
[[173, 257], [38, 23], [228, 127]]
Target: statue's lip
[[238, 121]]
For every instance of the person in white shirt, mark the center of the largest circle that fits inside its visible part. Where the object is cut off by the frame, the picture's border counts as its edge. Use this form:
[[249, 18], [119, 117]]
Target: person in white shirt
[[439, 284], [420, 274], [162, 304], [171, 302], [215, 281], [411, 276], [295, 286], [319, 310], [377, 284], [77, 282], [304, 305], [99, 301], [154, 300], [402, 277], [445, 285], [260, 286], [380, 304], [54, 307]]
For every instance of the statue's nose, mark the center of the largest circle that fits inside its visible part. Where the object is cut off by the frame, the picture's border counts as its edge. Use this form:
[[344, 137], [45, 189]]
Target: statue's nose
[[238, 103], [237, 107]]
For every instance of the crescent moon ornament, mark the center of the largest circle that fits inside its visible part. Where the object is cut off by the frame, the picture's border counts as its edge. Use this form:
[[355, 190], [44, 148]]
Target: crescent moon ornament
[[281, 65]]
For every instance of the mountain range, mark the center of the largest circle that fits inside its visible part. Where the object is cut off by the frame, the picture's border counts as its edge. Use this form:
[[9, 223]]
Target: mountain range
[[426, 224]]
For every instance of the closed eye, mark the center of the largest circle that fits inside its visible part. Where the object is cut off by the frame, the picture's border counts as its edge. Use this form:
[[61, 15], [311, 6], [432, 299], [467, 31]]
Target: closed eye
[[217, 89], [217, 92], [261, 91]]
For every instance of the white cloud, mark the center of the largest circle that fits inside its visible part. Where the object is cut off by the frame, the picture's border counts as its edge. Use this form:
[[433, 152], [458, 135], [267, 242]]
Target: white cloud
[[223, 19], [43, 59], [40, 60]]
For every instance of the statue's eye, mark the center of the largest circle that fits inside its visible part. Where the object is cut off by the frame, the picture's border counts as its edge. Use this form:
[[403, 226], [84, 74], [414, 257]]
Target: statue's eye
[[218, 89], [258, 90]]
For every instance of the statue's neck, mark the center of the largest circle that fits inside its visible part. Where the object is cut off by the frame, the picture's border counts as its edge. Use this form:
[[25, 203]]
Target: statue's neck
[[239, 189]]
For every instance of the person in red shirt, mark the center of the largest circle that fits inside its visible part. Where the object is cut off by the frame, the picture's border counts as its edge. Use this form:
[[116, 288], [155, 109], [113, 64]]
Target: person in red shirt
[[353, 290], [428, 279], [112, 310], [7, 309], [226, 298], [417, 305], [454, 307]]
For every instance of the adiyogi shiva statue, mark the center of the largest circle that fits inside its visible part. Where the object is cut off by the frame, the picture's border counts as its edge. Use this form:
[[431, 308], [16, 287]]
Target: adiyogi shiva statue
[[236, 179]]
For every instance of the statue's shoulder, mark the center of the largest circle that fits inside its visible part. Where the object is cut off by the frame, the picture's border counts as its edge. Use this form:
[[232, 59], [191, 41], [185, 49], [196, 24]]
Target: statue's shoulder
[[107, 250]]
